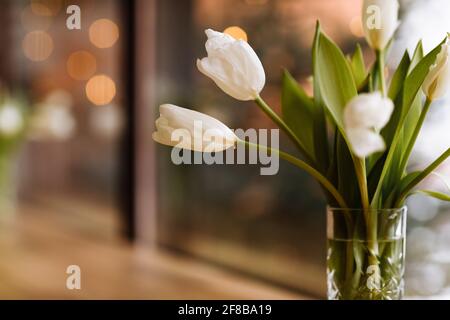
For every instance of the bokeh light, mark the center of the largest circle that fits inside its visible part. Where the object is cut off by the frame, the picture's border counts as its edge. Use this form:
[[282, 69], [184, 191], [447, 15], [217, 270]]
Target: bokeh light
[[81, 65], [46, 7], [237, 33], [103, 33], [37, 45], [31, 22], [356, 27], [100, 90]]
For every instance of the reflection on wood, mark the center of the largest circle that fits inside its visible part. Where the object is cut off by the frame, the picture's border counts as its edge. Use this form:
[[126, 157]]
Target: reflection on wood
[[49, 234]]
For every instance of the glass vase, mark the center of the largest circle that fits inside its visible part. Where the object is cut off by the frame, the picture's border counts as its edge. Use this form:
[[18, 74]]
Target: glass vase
[[366, 254]]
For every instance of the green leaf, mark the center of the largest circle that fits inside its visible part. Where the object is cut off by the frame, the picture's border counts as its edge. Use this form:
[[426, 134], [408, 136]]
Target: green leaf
[[321, 145], [420, 176], [335, 88], [358, 66], [399, 77], [435, 194], [298, 112], [415, 79], [335, 80], [347, 180], [417, 56], [411, 88]]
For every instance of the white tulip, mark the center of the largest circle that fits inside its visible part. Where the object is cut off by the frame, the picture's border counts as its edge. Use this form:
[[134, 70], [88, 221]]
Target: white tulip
[[11, 119], [368, 110], [437, 82], [365, 142], [380, 20], [233, 65], [364, 116], [188, 129]]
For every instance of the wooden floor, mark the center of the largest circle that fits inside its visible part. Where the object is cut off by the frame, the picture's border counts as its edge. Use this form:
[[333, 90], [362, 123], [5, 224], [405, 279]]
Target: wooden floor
[[44, 237]]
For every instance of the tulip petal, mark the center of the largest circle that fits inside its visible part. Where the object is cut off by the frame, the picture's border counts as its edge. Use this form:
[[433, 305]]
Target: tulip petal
[[365, 142], [368, 111], [192, 130], [233, 65], [437, 83]]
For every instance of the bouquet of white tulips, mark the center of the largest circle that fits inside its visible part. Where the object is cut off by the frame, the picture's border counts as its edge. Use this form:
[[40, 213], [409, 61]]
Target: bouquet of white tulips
[[355, 135]]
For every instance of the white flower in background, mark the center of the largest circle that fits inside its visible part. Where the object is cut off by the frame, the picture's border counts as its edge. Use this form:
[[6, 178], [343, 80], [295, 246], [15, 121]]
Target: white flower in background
[[189, 129], [52, 122], [233, 65], [11, 119], [380, 20], [106, 121], [426, 20], [437, 83], [364, 116]]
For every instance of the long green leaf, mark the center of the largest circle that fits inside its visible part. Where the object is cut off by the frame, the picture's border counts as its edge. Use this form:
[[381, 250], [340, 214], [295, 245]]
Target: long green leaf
[[417, 56], [358, 66], [435, 194], [321, 145], [412, 86], [335, 79], [298, 112], [422, 175]]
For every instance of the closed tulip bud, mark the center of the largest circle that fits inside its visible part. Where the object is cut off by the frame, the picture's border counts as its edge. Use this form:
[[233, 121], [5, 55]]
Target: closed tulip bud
[[380, 20], [233, 65], [192, 130], [437, 83], [364, 116]]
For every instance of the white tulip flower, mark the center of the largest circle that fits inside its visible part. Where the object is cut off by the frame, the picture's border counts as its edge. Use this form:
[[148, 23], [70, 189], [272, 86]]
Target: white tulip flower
[[437, 82], [368, 110], [11, 119], [364, 116], [192, 130], [365, 142], [52, 122], [233, 65], [380, 20]]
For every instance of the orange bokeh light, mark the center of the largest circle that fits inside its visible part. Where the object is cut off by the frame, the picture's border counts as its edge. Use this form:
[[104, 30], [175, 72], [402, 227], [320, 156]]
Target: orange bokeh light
[[104, 33], [81, 65], [100, 90], [46, 7], [237, 33], [37, 45]]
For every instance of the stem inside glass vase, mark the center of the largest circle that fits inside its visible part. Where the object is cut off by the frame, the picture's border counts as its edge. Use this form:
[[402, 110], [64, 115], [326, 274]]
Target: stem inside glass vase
[[366, 253]]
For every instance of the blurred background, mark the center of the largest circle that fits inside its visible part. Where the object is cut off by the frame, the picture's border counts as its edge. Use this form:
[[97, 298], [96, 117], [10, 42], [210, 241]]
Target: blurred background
[[81, 181]]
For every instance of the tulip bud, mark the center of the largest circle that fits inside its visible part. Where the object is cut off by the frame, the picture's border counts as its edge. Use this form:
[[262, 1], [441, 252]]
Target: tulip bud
[[11, 119], [233, 66], [380, 20], [192, 130], [437, 82], [364, 116]]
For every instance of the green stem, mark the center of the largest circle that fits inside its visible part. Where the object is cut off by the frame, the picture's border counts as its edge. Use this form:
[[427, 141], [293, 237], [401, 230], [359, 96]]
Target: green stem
[[282, 125], [381, 75], [370, 216], [302, 165], [421, 176], [416, 132]]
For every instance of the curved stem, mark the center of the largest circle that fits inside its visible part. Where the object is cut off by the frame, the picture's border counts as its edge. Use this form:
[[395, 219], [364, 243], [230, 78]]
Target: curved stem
[[282, 125], [421, 176], [302, 165]]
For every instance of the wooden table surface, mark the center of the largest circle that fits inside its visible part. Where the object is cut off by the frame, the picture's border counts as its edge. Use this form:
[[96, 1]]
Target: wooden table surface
[[44, 237]]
